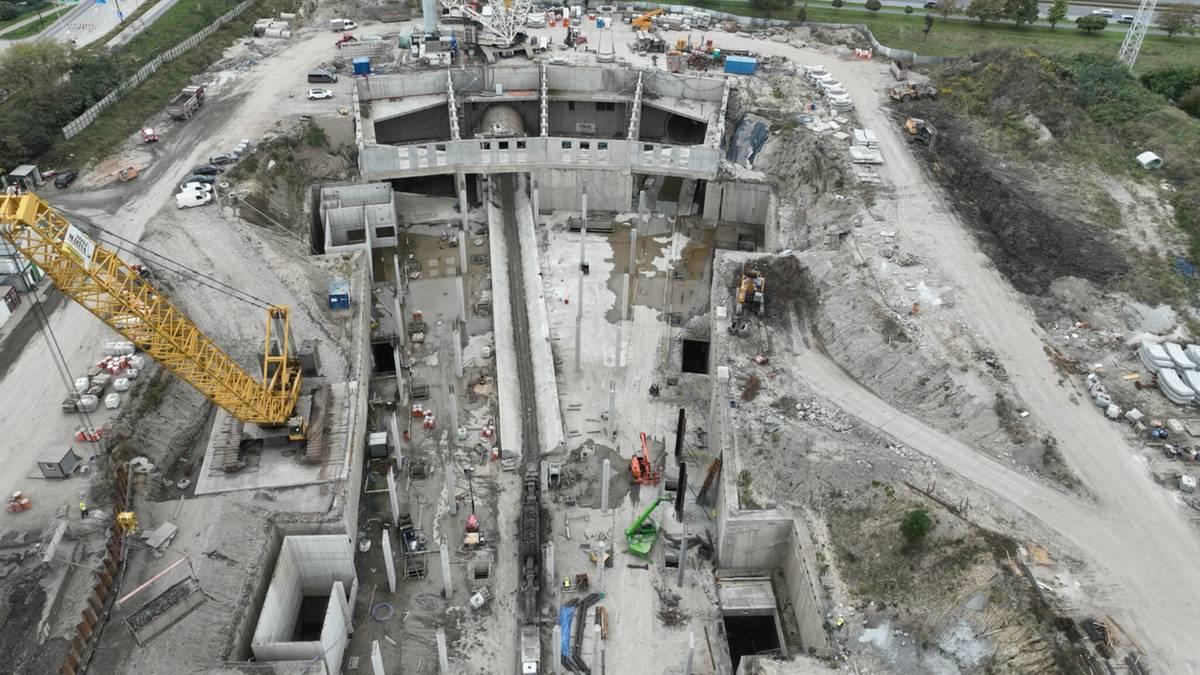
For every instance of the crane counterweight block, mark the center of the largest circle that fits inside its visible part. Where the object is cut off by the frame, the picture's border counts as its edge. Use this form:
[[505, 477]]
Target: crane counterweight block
[[106, 286]]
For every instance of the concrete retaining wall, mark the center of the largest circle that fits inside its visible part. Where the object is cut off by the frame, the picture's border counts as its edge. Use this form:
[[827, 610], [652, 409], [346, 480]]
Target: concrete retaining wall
[[730, 202], [607, 190]]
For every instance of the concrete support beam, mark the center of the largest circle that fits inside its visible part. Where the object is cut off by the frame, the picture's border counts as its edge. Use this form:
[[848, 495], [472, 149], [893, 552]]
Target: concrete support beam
[[464, 208], [544, 105], [555, 642], [447, 587], [635, 112], [392, 498], [605, 476], [389, 563], [376, 659], [536, 199], [452, 107], [443, 654], [716, 127]]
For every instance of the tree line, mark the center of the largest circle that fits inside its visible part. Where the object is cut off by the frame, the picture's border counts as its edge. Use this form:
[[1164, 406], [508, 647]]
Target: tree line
[[43, 86]]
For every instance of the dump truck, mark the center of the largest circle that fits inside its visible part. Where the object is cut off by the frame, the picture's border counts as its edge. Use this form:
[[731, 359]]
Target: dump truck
[[186, 103], [907, 91]]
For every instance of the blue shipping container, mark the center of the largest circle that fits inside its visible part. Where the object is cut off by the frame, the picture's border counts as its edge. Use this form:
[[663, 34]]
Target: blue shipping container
[[339, 294], [362, 65], [741, 65]]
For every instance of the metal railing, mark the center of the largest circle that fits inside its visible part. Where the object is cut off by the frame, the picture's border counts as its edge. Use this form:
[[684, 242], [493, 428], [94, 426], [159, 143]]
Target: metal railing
[[80, 123]]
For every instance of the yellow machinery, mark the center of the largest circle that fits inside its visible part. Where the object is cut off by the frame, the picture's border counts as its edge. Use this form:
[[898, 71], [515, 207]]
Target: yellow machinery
[[645, 21], [96, 278], [752, 292]]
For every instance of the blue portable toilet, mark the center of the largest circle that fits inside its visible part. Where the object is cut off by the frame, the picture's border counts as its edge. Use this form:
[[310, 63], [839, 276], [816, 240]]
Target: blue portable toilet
[[362, 65], [339, 294]]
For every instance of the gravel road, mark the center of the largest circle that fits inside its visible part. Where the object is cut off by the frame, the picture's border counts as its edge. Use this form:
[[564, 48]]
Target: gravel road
[[1136, 537]]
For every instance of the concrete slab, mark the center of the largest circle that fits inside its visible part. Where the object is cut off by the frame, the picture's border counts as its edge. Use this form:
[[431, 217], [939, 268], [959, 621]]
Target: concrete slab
[[271, 468]]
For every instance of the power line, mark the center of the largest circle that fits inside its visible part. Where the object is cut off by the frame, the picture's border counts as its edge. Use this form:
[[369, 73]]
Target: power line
[[161, 259]]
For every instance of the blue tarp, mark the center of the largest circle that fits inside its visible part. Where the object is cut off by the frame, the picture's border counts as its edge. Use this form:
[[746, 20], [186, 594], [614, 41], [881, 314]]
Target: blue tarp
[[748, 138], [564, 621]]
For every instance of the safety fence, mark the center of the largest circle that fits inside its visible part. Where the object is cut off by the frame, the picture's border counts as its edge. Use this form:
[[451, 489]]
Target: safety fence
[[80, 123]]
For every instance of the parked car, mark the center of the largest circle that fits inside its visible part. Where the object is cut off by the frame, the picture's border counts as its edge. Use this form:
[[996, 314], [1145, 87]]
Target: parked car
[[149, 135], [931, 4], [65, 179], [1106, 13], [207, 170], [319, 94], [222, 159], [1125, 18], [197, 178], [190, 198], [320, 76], [196, 187]]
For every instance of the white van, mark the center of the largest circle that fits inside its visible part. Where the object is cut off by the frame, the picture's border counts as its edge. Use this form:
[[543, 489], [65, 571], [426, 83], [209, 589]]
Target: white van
[[190, 198]]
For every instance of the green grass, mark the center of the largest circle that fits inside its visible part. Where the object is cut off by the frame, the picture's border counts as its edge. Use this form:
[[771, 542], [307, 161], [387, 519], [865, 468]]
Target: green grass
[[35, 27], [956, 37], [25, 14], [176, 25]]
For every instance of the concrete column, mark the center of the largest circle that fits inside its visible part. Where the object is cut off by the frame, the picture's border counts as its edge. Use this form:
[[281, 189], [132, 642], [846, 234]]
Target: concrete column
[[579, 320], [642, 214], [388, 563], [556, 649], [545, 469], [376, 659], [458, 353], [443, 656], [687, 664], [394, 425], [453, 503], [612, 407], [392, 500], [446, 585], [599, 548], [624, 299], [583, 232], [462, 253], [682, 555], [462, 297], [605, 476], [632, 251], [548, 563], [464, 209], [537, 202]]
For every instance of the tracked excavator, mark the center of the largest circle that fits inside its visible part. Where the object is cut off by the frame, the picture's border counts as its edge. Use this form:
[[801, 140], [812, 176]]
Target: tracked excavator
[[122, 297]]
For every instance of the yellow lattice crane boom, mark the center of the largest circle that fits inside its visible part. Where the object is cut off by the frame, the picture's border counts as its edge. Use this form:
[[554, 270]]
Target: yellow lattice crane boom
[[106, 286]]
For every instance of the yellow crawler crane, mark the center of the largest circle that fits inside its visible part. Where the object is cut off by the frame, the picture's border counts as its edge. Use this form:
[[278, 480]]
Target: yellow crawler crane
[[106, 286]]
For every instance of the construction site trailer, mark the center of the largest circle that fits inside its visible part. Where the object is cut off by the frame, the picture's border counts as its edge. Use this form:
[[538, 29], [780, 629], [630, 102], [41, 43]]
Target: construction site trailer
[[55, 465], [741, 65]]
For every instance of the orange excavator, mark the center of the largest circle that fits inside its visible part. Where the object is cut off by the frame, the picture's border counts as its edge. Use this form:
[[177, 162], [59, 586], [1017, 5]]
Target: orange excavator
[[639, 466]]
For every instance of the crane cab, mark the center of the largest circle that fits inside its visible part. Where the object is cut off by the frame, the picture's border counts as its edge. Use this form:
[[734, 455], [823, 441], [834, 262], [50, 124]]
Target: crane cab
[[297, 428]]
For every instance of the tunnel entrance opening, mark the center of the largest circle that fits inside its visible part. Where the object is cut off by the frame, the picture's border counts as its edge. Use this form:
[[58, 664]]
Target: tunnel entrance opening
[[383, 357], [311, 618], [685, 131], [750, 635], [695, 356], [440, 185]]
